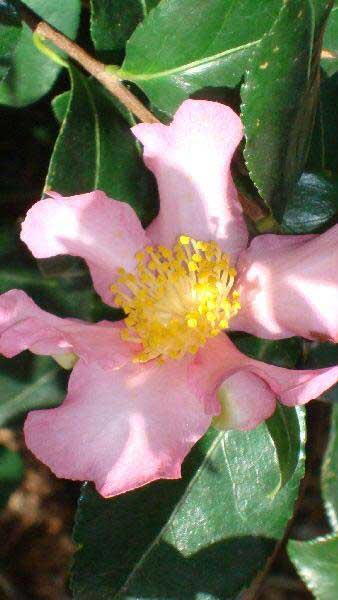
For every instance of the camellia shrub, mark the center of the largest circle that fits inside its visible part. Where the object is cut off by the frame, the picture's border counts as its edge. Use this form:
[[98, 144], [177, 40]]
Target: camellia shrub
[[181, 262]]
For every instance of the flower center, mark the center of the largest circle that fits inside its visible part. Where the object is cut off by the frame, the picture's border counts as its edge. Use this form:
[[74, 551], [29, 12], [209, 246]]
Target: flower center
[[177, 299]]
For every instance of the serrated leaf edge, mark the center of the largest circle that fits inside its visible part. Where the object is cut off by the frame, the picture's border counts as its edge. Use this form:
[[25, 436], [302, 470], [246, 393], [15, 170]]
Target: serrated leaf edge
[[245, 89]]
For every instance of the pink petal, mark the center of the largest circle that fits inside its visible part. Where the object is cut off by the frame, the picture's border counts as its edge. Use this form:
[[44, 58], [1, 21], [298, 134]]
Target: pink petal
[[289, 286], [191, 161], [105, 232], [238, 409], [121, 429], [220, 360], [23, 325]]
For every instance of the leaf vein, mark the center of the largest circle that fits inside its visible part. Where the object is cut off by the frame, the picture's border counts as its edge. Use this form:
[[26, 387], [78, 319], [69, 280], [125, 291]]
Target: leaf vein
[[182, 68]]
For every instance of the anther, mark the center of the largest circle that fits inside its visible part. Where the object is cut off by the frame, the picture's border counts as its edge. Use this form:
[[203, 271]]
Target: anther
[[177, 299]]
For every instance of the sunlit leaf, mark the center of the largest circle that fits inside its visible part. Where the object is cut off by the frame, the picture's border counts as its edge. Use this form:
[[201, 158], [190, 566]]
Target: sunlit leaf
[[317, 564], [205, 535], [279, 101], [185, 45]]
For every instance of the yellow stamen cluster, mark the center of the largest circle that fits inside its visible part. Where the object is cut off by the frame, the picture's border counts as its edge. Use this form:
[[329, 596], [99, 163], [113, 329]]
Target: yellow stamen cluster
[[177, 299]]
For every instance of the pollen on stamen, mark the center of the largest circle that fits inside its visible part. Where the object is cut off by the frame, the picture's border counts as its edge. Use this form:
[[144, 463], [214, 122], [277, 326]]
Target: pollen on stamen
[[177, 298]]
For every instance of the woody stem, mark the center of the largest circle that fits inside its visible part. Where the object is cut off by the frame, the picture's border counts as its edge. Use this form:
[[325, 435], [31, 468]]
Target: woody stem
[[96, 68]]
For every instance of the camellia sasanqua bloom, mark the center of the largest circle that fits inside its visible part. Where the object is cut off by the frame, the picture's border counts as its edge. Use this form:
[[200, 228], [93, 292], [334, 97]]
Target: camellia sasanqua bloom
[[145, 389]]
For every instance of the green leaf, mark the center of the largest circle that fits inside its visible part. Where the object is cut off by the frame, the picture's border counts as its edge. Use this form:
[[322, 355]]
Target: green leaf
[[282, 353], [185, 45], [285, 432], [10, 28], [69, 295], [206, 535], [330, 43], [28, 382], [279, 100], [317, 564], [32, 74], [97, 143], [11, 473], [60, 106], [283, 426], [323, 355], [323, 156], [321, 11], [315, 162], [330, 472], [313, 205], [112, 23], [329, 118], [317, 560]]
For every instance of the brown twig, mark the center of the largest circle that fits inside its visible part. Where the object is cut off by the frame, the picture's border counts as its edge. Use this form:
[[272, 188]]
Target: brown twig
[[253, 592], [251, 208], [108, 79], [96, 68]]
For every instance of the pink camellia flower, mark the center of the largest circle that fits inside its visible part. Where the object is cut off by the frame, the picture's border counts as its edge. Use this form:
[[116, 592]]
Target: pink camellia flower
[[144, 390]]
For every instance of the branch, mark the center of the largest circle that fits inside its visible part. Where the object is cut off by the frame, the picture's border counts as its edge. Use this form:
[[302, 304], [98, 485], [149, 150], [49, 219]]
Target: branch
[[105, 75], [96, 68]]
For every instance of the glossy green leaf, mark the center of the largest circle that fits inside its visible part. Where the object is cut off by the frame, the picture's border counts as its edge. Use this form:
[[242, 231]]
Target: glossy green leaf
[[317, 560], [10, 29], [96, 150], [32, 74], [282, 353], [28, 382], [11, 472], [112, 23], [324, 13], [60, 106], [185, 45], [206, 535], [317, 564], [313, 205], [330, 472], [279, 100], [285, 433], [320, 356], [330, 43], [321, 11], [283, 425]]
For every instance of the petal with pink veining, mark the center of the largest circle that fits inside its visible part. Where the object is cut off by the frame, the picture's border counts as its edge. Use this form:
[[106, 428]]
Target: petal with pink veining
[[191, 161], [120, 429], [219, 360], [289, 286], [105, 232], [23, 325]]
